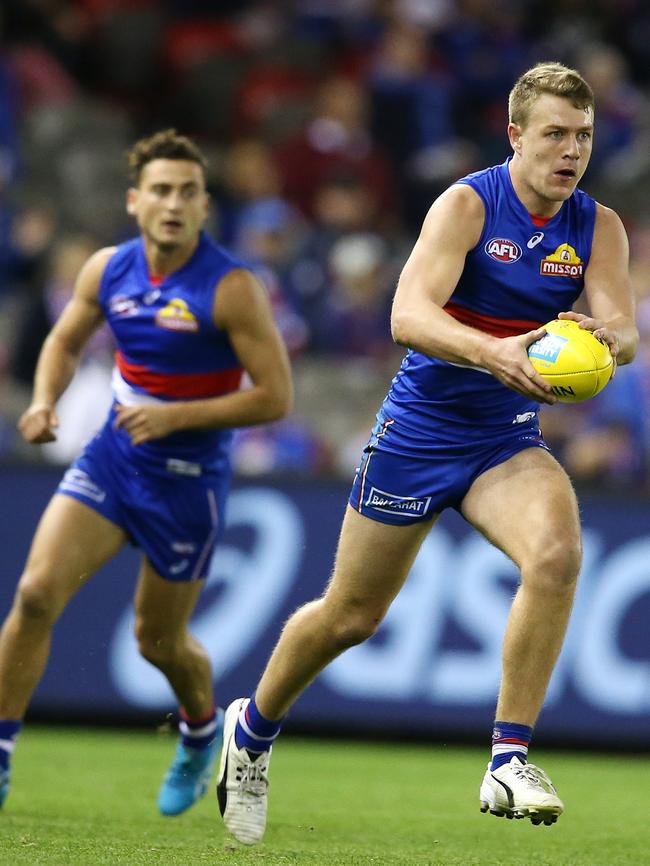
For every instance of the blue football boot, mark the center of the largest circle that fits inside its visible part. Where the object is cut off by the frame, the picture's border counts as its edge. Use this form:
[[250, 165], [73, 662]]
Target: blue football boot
[[189, 776]]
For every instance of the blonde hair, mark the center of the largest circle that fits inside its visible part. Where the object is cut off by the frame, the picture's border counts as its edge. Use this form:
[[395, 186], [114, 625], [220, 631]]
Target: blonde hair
[[553, 78]]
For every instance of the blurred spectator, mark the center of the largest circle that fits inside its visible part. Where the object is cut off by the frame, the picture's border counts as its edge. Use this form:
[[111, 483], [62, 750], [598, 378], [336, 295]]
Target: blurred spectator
[[619, 107], [343, 204], [411, 100], [84, 405], [354, 318], [267, 240], [333, 126], [30, 234], [287, 446], [337, 138], [249, 174]]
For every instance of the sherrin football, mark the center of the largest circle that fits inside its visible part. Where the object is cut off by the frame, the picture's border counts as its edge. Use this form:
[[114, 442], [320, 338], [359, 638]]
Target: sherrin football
[[572, 360]]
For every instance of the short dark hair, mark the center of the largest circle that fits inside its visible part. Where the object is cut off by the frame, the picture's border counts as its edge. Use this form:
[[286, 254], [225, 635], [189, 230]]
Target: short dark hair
[[166, 144], [553, 78]]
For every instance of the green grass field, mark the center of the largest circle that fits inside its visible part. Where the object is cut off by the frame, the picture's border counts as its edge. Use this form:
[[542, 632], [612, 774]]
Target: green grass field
[[87, 797]]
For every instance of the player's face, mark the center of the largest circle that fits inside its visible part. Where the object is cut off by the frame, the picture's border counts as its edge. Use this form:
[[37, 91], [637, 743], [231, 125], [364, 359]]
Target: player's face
[[552, 150], [170, 203]]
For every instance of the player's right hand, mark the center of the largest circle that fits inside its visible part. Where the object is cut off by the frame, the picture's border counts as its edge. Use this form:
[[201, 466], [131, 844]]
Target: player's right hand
[[511, 365], [38, 424]]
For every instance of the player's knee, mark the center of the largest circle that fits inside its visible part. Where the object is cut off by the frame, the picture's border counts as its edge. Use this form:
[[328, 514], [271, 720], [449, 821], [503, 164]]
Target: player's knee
[[353, 625], [33, 602], [155, 647], [557, 563]]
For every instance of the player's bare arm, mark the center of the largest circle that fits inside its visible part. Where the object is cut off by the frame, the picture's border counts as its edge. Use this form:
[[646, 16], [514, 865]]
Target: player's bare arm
[[451, 229], [608, 289], [243, 310], [62, 350]]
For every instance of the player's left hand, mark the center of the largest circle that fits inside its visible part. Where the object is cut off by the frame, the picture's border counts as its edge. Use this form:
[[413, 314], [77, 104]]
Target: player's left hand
[[598, 328], [148, 421]]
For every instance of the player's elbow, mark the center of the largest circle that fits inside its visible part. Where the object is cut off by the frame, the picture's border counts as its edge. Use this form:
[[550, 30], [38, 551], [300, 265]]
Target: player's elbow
[[279, 402], [401, 326]]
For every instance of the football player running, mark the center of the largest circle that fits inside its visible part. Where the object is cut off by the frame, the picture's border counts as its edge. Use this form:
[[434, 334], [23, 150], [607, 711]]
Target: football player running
[[188, 320], [459, 429]]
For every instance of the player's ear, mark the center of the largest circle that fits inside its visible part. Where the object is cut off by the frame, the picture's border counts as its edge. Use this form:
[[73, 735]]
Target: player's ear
[[514, 136], [131, 196]]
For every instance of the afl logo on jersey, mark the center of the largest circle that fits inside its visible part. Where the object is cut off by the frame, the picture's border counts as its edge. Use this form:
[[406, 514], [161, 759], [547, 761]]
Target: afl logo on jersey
[[121, 305], [177, 316], [503, 250]]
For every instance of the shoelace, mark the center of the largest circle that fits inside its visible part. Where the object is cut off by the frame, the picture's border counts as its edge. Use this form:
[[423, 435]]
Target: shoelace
[[534, 775], [252, 779]]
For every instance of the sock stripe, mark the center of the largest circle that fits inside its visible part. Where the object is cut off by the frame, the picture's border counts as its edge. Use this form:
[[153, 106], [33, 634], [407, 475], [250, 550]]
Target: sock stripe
[[244, 722], [193, 732], [508, 749], [7, 745]]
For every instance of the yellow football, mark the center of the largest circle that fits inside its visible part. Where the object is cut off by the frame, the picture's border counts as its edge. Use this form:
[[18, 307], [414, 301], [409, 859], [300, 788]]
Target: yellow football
[[572, 361]]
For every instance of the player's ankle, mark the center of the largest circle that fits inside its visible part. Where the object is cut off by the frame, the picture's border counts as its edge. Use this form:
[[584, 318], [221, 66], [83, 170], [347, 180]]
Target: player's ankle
[[254, 732]]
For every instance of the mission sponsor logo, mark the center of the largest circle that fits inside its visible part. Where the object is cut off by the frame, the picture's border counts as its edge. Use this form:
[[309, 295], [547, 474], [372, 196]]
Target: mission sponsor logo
[[177, 316], [564, 262], [391, 503], [503, 250]]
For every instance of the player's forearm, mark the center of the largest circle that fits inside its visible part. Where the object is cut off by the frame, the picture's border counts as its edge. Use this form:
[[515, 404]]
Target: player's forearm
[[256, 405], [54, 371], [435, 333]]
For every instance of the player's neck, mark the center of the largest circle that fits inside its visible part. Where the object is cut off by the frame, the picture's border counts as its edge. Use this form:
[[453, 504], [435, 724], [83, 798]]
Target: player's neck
[[162, 261], [532, 200]]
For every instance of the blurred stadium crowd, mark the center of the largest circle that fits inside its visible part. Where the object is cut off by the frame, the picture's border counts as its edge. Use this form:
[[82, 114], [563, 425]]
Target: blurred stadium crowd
[[330, 126]]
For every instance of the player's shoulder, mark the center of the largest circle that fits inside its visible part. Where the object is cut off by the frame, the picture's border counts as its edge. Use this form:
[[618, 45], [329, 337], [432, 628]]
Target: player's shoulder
[[607, 214], [459, 205], [93, 269], [608, 228], [239, 279], [607, 222], [469, 193]]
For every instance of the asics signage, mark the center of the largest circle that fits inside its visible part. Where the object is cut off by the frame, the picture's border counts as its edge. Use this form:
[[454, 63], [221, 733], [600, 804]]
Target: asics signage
[[433, 667]]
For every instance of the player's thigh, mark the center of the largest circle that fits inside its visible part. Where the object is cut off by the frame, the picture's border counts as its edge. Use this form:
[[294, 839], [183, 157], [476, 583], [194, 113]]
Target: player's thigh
[[163, 606], [71, 542], [373, 560], [527, 507]]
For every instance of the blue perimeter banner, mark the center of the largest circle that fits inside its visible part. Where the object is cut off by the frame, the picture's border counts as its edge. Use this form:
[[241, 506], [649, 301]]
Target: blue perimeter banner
[[432, 670]]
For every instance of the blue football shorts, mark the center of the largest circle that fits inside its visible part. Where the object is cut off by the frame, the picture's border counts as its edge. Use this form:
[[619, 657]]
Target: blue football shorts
[[173, 514], [407, 486]]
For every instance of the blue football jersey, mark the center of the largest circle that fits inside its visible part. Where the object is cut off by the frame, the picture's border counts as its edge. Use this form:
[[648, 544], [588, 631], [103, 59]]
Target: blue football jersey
[[519, 276], [168, 347]]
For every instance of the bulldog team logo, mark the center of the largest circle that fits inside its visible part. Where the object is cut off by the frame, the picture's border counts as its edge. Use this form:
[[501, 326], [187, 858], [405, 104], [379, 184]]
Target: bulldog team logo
[[176, 316], [503, 250], [564, 262]]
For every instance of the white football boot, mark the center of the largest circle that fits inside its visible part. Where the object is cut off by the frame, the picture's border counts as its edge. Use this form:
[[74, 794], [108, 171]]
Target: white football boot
[[519, 790], [242, 786]]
